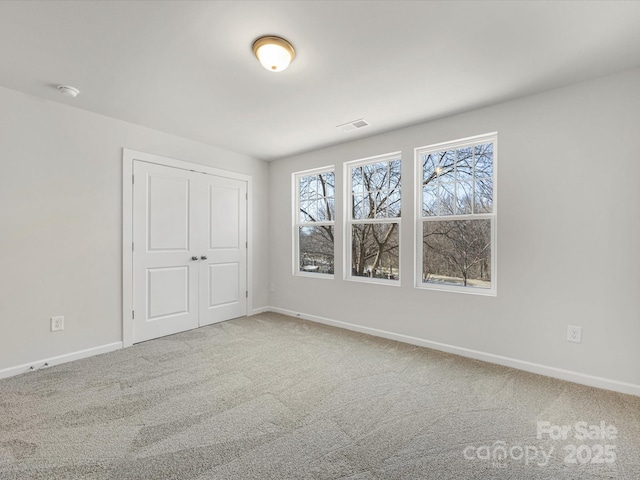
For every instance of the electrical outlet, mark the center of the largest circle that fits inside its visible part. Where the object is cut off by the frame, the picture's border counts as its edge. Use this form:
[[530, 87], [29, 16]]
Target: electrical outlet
[[57, 323], [574, 334]]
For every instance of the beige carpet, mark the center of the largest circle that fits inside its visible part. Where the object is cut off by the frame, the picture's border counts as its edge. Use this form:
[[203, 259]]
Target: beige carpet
[[272, 397]]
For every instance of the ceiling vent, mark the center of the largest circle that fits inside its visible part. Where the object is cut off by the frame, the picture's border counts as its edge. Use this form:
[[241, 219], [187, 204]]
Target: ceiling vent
[[353, 125]]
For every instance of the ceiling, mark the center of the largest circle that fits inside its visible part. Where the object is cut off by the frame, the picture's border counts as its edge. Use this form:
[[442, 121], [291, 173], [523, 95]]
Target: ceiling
[[186, 67]]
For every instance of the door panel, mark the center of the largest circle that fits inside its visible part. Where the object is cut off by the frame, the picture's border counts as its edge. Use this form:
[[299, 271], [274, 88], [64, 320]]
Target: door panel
[[165, 279], [224, 228], [168, 214], [167, 291], [224, 282]]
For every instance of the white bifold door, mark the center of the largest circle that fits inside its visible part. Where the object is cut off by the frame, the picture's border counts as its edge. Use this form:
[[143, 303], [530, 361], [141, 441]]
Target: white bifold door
[[189, 251]]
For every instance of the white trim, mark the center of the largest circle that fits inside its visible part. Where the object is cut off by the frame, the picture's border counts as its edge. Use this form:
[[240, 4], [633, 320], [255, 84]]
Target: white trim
[[322, 276], [257, 311], [537, 368], [52, 361], [419, 219], [462, 142], [366, 221], [348, 222], [373, 280], [127, 247], [314, 171], [295, 217], [385, 157], [128, 157]]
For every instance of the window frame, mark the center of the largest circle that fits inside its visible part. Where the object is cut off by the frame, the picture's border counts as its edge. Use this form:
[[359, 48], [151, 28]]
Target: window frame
[[348, 221], [421, 219], [297, 224]]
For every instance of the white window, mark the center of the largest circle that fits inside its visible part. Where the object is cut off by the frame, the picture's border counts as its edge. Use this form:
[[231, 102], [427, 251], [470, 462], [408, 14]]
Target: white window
[[456, 215], [314, 213], [372, 247]]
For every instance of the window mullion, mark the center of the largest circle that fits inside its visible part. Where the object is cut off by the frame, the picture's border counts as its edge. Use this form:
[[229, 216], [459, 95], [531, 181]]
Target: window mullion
[[473, 179], [374, 220], [455, 181]]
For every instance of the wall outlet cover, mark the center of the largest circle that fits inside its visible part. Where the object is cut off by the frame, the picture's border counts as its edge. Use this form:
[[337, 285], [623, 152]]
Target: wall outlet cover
[[57, 323], [574, 334]]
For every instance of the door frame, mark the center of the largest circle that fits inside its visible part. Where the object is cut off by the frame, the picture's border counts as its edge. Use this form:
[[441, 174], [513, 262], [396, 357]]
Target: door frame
[[128, 157]]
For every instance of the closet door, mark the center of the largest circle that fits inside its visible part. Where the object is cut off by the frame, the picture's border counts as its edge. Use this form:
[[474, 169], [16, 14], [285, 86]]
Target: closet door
[[223, 273], [190, 250], [166, 261]]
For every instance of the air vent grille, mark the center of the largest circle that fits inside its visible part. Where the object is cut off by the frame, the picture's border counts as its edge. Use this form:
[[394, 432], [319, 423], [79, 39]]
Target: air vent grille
[[353, 125]]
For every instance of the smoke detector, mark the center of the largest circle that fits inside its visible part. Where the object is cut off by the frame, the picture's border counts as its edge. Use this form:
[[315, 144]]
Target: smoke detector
[[353, 125], [68, 91]]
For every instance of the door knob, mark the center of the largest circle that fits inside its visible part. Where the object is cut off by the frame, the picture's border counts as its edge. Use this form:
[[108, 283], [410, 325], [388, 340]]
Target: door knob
[[203, 257], [194, 258]]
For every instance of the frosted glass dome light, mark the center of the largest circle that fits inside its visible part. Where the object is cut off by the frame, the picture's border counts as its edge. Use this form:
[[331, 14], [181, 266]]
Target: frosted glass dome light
[[275, 53]]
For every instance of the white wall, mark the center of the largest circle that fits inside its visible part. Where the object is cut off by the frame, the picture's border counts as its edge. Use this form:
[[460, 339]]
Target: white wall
[[568, 237], [61, 223]]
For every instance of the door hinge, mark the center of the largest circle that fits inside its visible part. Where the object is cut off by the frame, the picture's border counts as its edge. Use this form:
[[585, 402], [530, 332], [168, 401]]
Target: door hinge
[[133, 314], [246, 294], [133, 179], [133, 246], [246, 196], [246, 244]]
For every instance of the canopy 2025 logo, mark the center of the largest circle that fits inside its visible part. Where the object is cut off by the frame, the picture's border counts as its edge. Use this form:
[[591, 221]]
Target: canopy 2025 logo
[[597, 453]]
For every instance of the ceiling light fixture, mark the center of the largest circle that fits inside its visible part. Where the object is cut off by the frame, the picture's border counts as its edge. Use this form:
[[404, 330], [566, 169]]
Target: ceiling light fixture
[[275, 53], [68, 91]]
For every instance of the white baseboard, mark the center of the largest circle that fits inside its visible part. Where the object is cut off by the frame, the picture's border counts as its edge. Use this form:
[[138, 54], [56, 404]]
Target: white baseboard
[[256, 311], [67, 357], [568, 375]]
